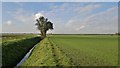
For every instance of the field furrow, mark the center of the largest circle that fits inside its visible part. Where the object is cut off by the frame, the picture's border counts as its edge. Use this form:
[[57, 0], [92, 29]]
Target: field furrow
[[47, 54]]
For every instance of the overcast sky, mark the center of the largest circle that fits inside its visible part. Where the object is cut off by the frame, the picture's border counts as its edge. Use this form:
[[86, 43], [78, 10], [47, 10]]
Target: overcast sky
[[68, 18]]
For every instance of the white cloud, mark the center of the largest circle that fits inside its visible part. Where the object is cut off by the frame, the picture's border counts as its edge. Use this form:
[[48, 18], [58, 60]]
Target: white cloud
[[69, 18], [9, 22], [108, 13], [87, 9], [79, 28], [23, 16], [75, 25], [102, 22], [38, 15], [23, 22]]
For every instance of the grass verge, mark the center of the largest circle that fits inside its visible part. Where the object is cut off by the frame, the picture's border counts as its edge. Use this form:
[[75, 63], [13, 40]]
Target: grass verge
[[14, 51]]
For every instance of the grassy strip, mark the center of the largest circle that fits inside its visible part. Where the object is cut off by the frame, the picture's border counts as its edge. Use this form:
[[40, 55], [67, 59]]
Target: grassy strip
[[47, 54], [15, 37], [60, 57], [14, 51]]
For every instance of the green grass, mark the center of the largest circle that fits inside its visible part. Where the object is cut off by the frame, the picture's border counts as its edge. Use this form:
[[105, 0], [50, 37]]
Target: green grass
[[75, 50], [47, 54], [89, 49], [14, 47]]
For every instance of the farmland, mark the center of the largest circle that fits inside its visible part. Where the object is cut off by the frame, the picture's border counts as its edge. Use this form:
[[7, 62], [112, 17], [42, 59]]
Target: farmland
[[75, 50], [15, 46]]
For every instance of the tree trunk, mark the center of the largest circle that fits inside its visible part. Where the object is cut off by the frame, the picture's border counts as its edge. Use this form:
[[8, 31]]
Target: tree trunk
[[43, 34]]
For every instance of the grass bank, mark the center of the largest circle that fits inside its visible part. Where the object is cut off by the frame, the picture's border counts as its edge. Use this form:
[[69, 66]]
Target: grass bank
[[14, 48]]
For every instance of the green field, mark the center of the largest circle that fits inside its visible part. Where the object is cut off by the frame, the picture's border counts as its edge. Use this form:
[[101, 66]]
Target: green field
[[75, 50], [15, 46]]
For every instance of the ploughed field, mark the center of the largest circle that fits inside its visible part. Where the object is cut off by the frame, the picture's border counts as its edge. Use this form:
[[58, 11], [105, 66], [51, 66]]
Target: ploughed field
[[75, 50], [15, 47]]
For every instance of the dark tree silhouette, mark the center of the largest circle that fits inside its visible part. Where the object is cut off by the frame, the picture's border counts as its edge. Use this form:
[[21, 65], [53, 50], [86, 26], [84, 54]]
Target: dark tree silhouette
[[43, 25]]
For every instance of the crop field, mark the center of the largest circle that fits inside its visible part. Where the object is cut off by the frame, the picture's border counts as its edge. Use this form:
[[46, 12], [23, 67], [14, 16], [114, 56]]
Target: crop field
[[75, 50], [15, 46]]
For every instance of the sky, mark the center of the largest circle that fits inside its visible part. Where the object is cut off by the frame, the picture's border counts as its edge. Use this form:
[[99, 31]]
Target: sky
[[60, 0], [67, 17]]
